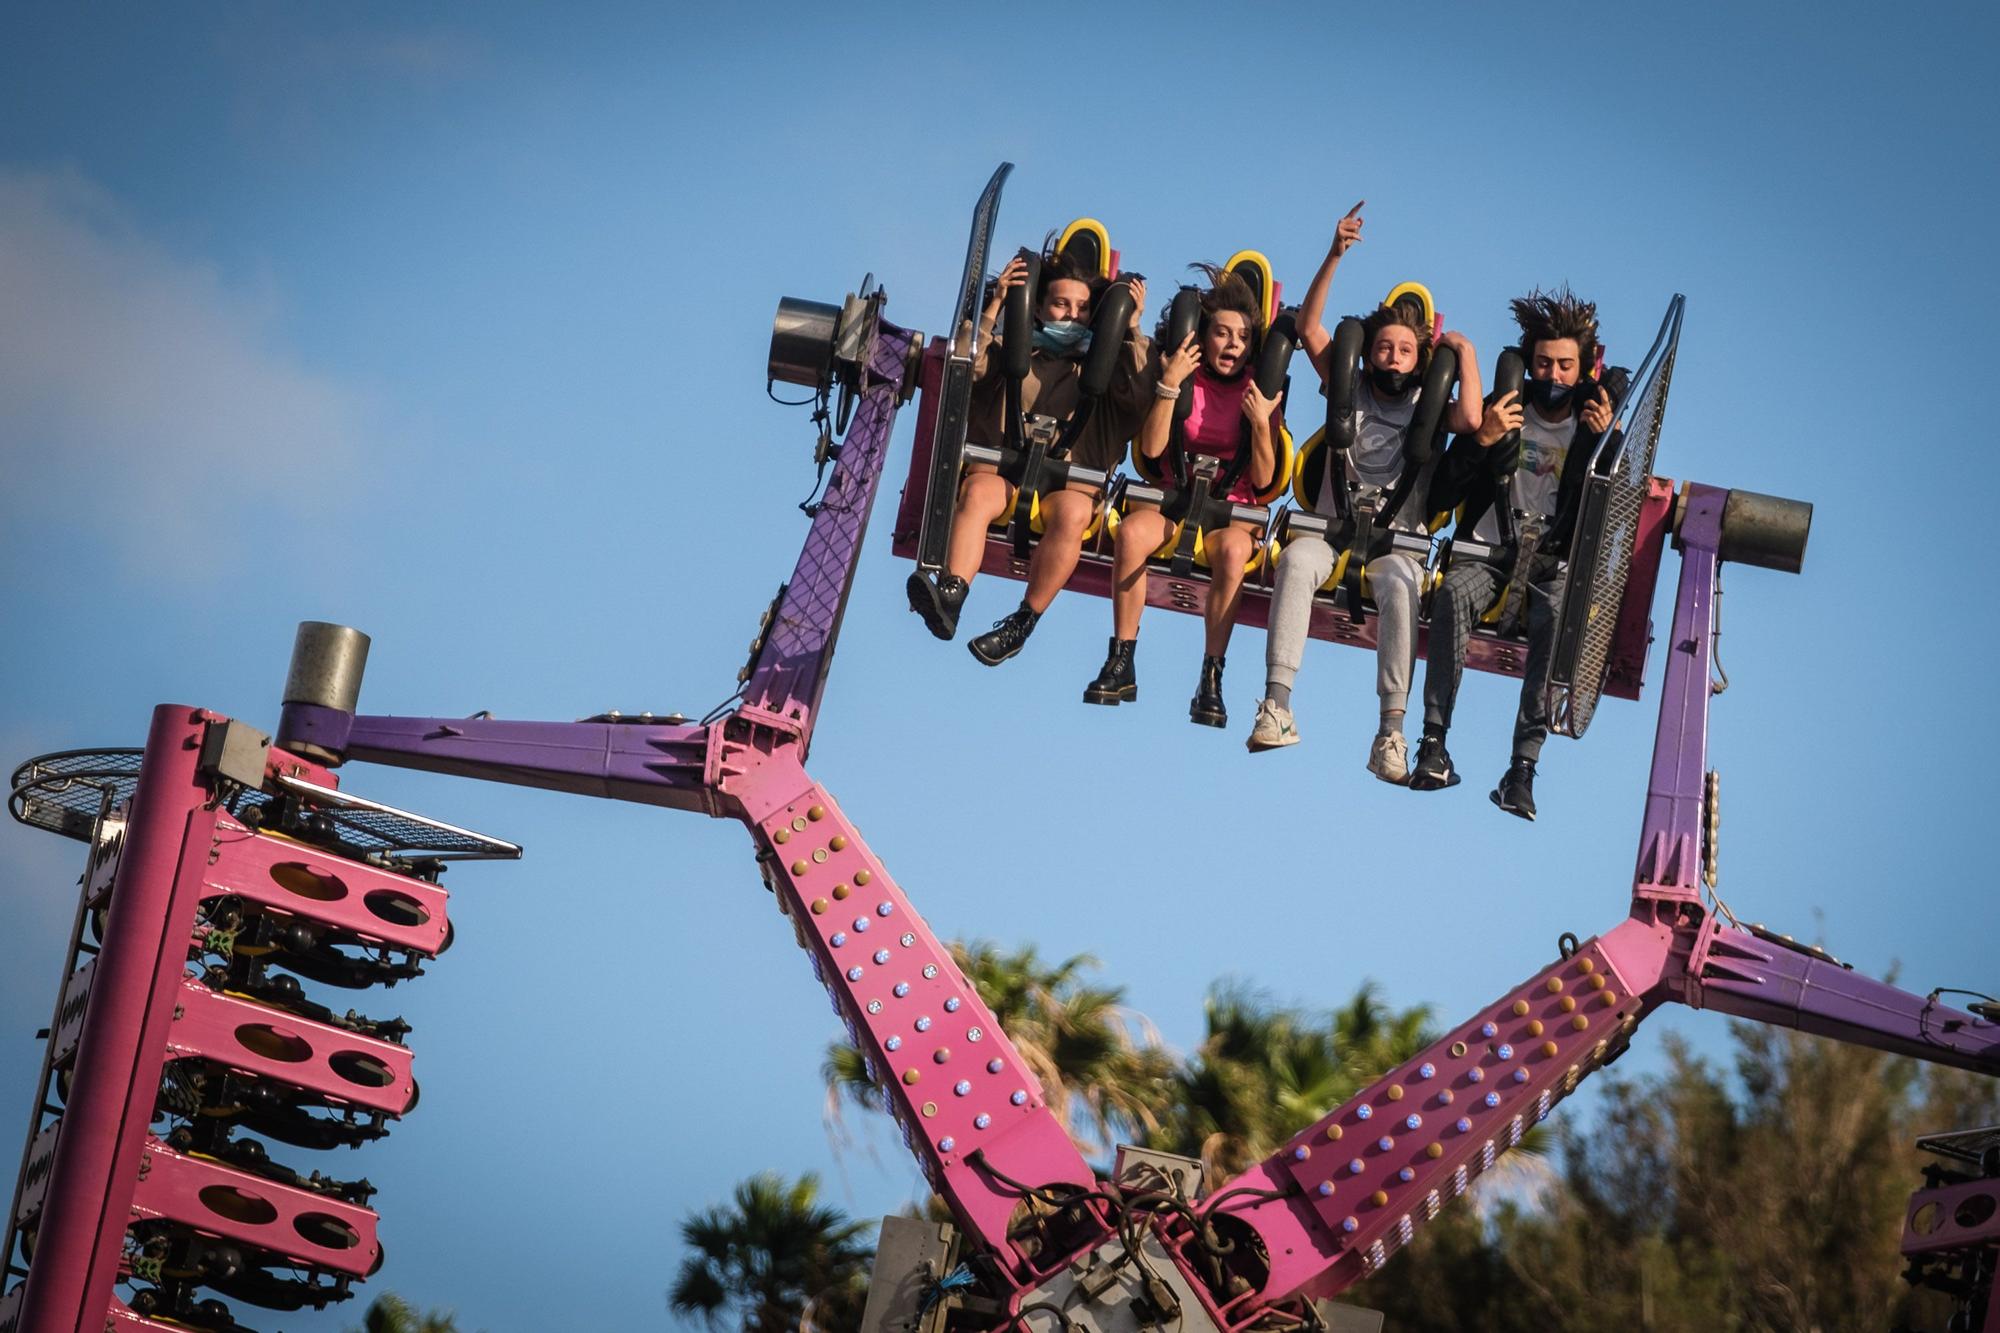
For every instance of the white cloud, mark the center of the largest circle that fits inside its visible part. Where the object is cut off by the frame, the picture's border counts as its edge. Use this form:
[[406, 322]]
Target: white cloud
[[144, 402]]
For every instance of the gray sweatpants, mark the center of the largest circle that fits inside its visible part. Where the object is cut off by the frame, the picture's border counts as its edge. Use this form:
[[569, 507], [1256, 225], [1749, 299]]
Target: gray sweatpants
[[1464, 596], [1396, 580]]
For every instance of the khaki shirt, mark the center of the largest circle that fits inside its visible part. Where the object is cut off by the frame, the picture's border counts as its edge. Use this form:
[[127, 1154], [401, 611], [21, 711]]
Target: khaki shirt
[[1053, 389]]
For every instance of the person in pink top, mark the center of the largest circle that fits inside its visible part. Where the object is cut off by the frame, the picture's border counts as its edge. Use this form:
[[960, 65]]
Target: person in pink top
[[1229, 420]]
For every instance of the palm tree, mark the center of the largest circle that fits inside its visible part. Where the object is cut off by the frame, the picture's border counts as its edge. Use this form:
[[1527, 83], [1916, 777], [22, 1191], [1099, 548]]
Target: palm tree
[[773, 1260], [1102, 1067], [390, 1313]]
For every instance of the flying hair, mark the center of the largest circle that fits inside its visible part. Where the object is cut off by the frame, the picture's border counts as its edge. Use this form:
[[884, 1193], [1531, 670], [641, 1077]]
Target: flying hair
[[1406, 313], [1057, 265], [1226, 291], [1557, 314]]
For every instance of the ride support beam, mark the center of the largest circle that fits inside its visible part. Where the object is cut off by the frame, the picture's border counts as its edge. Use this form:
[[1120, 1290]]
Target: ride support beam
[[788, 675], [1670, 836], [1768, 979], [970, 1110], [648, 764], [79, 1238], [1343, 1195]]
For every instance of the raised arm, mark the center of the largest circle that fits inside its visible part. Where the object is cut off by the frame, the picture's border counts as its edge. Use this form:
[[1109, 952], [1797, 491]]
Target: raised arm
[[1468, 410], [1174, 372], [1313, 336]]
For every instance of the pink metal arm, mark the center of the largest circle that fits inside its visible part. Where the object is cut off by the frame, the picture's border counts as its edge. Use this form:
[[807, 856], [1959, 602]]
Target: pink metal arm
[[955, 1085]]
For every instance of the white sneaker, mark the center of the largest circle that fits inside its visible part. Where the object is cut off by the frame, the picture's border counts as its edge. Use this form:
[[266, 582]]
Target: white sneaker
[[1273, 729], [1389, 758]]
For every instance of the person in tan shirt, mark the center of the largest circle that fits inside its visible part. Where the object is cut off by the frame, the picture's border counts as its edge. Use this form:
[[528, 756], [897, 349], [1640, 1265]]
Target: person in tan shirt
[[1052, 389]]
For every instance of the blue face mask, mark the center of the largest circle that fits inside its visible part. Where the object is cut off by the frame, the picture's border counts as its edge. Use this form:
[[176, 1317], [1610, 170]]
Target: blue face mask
[[1064, 337]]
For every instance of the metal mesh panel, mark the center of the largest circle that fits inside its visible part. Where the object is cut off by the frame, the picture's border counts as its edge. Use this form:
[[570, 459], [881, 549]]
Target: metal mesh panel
[[1966, 1145], [1606, 532], [64, 792]]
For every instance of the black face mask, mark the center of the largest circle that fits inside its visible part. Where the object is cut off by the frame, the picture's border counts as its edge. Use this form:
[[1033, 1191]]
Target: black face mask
[[1391, 383], [1550, 396]]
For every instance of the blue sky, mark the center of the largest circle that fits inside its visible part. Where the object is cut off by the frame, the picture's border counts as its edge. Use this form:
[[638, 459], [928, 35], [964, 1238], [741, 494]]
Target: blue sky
[[450, 324]]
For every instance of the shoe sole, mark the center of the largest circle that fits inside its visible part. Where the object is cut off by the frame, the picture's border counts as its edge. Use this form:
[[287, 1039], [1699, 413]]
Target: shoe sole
[[1515, 810], [1112, 698], [1403, 781], [973, 648], [1255, 746], [1208, 719], [1418, 782], [923, 600]]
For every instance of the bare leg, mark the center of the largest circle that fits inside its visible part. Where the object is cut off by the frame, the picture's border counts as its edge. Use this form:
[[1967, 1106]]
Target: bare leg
[[1228, 551], [1139, 534], [1065, 515], [981, 499]]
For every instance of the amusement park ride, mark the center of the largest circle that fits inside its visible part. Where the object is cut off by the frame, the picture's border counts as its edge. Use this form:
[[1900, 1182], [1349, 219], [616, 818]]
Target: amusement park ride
[[226, 867]]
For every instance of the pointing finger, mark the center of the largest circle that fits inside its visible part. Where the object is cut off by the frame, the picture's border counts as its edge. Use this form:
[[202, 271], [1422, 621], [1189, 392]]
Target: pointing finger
[[1357, 208]]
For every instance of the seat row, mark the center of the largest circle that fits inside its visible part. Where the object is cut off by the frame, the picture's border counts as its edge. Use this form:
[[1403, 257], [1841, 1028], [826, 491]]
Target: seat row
[[1067, 382]]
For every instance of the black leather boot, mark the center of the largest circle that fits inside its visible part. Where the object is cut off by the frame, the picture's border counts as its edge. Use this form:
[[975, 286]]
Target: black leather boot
[[938, 602], [1007, 637], [1516, 792], [1206, 707], [1116, 681]]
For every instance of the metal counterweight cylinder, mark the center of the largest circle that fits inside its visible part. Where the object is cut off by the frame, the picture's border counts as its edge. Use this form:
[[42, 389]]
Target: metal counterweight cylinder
[[802, 338], [327, 662], [1765, 530]]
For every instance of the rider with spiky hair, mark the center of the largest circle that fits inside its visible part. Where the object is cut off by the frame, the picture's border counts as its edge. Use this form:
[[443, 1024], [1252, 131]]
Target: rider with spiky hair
[[1545, 457]]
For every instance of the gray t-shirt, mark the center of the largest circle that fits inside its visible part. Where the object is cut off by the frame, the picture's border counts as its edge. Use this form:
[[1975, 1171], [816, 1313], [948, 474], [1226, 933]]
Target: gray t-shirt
[[1376, 460], [1538, 480]]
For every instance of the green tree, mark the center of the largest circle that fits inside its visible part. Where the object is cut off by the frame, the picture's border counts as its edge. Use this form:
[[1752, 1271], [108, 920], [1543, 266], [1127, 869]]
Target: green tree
[[390, 1313], [1101, 1067], [773, 1260]]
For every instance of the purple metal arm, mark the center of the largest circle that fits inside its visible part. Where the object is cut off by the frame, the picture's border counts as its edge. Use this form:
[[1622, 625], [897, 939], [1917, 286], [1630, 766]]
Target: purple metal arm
[[1670, 838], [669, 765], [789, 674], [1766, 979], [1758, 976], [650, 765]]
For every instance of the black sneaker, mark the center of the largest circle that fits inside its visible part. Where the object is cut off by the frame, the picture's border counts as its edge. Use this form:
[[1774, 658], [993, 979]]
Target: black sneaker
[[938, 602], [1206, 708], [1116, 681], [1433, 770], [1516, 792], [1007, 637]]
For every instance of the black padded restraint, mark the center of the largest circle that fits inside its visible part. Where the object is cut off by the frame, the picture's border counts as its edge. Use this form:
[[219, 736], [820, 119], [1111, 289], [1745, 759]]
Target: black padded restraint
[[1330, 459], [1490, 486], [1183, 322], [1271, 373], [1100, 363], [1017, 343], [1426, 422]]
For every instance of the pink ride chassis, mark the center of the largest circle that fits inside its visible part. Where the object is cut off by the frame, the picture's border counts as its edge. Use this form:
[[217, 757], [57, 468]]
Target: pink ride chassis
[[1038, 1241]]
